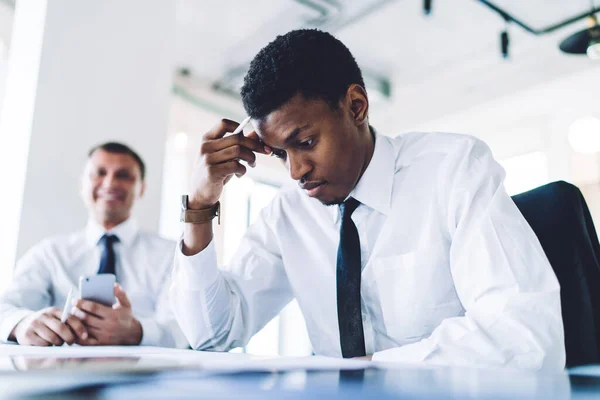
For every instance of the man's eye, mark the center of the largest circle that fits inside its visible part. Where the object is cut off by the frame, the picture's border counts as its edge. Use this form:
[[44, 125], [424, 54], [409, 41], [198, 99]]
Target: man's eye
[[124, 175], [307, 143], [279, 154]]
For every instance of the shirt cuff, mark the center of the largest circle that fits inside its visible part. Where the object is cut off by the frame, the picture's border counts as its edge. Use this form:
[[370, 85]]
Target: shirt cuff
[[8, 323], [197, 272], [151, 332]]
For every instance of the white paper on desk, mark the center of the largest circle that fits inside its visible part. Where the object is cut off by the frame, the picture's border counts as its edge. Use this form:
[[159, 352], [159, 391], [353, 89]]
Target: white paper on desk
[[86, 351], [209, 361]]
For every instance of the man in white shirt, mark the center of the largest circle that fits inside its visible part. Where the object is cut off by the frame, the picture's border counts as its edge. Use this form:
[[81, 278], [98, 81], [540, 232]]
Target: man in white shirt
[[30, 309], [402, 249]]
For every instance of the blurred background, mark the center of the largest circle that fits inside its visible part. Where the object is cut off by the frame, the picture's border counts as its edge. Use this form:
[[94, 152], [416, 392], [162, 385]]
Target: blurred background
[[158, 74]]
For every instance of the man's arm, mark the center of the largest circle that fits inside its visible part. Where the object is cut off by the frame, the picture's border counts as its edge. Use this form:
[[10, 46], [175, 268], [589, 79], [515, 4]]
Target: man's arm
[[222, 309], [218, 161], [25, 313], [502, 277]]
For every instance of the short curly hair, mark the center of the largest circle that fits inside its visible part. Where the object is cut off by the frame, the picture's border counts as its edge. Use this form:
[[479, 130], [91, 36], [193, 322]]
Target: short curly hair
[[306, 61]]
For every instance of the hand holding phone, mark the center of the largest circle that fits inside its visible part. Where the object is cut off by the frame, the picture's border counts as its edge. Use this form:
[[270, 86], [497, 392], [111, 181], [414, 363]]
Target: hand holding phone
[[108, 322]]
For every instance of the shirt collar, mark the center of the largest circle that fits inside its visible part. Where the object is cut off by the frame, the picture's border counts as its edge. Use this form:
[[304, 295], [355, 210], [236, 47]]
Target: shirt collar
[[374, 189], [126, 232]]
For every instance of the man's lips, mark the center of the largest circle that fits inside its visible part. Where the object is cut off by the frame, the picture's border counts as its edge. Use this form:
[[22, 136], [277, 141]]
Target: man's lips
[[111, 196], [313, 188]]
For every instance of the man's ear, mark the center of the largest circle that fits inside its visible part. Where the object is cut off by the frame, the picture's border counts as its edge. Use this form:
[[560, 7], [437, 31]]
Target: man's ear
[[359, 103], [80, 187], [82, 182], [142, 189]]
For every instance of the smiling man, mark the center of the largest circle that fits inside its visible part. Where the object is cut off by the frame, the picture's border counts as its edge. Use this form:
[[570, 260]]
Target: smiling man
[[402, 249], [30, 310]]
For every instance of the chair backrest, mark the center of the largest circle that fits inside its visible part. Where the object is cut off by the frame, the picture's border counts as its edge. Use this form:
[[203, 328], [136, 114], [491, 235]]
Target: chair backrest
[[560, 218]]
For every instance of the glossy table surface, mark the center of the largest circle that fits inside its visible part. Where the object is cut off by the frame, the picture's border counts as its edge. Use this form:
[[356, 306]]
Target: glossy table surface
[[161, 373]]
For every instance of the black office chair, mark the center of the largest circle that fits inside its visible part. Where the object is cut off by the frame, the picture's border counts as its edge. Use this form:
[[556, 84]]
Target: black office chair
[[562, 222]]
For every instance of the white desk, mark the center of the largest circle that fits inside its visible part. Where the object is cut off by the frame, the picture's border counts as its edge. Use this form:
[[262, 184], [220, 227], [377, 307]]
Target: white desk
[[76, 366], [150, 372], [151, 357]]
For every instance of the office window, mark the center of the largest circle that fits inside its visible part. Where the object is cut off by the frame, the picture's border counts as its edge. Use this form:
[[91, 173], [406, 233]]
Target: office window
[[525, 172]]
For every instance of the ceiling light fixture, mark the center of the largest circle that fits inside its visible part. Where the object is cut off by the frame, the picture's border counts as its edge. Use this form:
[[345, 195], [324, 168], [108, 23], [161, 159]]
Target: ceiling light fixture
[[586, 41], [583, 42], [427, 7]]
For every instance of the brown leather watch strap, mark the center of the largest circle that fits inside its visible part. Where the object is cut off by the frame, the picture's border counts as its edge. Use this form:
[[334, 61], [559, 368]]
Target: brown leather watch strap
[[199, 216]]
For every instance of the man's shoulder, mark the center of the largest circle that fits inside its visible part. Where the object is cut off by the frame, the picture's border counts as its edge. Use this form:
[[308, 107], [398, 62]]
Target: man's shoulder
[[418, 144], [61, 240], [56, 245]]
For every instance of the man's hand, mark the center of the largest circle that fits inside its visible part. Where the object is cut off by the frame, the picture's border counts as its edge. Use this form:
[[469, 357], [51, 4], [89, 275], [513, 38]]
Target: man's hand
[[43, 328], [368, 358], [114, 325], [219, 160]]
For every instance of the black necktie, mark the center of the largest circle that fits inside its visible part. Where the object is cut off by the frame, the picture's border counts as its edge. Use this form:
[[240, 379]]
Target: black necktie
[[352, 337], [107, 260]]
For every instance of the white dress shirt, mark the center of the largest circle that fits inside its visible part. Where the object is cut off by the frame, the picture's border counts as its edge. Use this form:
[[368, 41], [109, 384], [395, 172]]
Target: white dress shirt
[[451, 271], [45, 274]]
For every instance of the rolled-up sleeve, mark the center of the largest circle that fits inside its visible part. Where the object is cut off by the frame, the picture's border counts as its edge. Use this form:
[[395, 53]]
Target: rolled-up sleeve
[[501, 274]]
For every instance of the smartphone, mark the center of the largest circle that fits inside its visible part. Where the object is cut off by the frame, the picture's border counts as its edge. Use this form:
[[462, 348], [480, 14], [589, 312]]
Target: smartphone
[[99, 288]]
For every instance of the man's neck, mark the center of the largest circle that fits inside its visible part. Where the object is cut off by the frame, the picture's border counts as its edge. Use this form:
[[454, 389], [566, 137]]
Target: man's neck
[[370, 149], [109, 225]]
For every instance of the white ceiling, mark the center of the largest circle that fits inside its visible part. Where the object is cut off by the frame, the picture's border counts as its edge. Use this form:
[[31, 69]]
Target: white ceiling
[[553, 10], [437, 65], [451, 58]]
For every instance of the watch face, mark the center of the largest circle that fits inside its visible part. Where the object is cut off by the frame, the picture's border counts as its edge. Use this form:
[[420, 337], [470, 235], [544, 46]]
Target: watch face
[[184, 202]]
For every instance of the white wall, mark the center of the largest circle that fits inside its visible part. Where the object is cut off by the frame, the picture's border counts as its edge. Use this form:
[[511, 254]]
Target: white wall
[[6, 22], [80, 73], [538, 119]]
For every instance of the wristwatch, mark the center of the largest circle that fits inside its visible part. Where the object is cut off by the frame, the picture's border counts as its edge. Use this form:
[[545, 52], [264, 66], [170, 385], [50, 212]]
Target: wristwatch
[[199, 216]]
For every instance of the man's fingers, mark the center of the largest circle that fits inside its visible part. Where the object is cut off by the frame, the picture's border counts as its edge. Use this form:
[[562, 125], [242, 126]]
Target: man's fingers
[[121, 296], [220, 129], [235, 152], [254, 136], [55, 311], [252, 143], [33, 339], [77, 326], [46, 333], [90, 341], [223, 170], [92, 307], [89, 320], [59, 328]]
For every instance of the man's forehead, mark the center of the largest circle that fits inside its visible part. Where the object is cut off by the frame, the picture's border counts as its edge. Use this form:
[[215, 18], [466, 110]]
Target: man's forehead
[[280, 123], [107, 156], [105, 159]]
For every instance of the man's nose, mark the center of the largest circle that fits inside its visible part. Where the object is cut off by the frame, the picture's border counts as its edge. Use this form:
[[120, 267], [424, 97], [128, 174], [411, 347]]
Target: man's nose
[[108, 181], [298, 167]]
